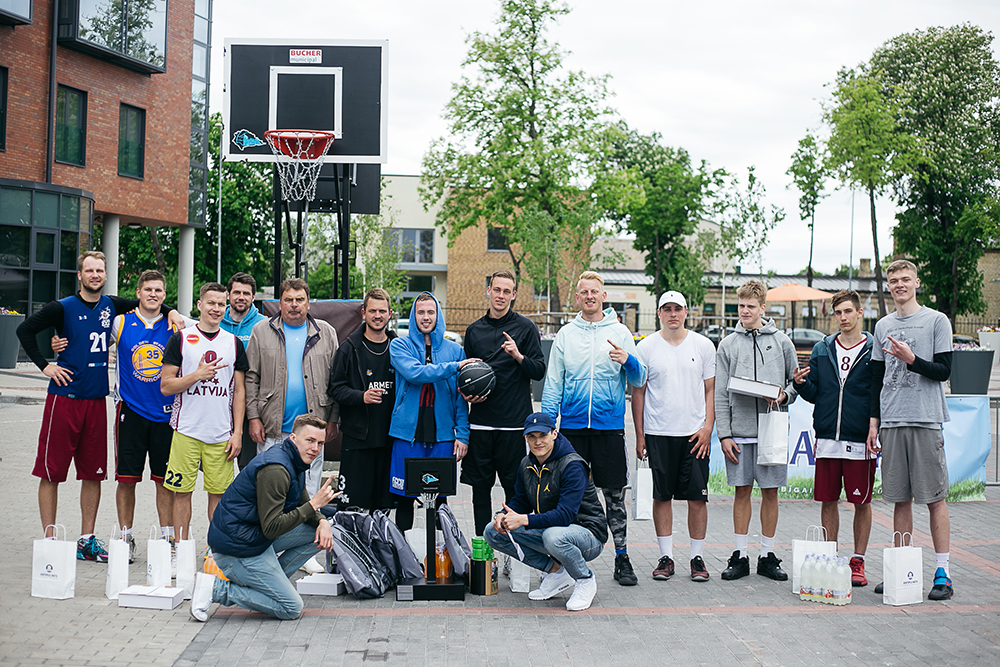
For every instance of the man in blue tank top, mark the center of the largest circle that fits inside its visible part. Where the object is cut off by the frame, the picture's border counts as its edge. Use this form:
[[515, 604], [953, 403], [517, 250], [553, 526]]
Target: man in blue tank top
[[74, 421]]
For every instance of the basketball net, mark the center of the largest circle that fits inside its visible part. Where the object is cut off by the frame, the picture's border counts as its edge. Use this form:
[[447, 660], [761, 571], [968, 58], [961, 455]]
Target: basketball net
[[298, 157]]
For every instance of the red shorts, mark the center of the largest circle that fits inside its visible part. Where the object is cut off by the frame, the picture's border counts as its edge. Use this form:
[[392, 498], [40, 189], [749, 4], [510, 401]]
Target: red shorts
[[73, 429], [858, 478]]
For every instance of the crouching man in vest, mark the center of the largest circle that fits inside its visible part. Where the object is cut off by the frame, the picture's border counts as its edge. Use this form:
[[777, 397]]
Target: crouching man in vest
[[554, 519], [266, 527]]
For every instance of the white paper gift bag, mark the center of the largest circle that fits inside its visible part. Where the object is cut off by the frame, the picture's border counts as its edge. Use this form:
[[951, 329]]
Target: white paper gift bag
[[772, 438], [902, 572], [117, 580], [157, 560], [642, 491], [186, 550], [53, 566], [815, 543]]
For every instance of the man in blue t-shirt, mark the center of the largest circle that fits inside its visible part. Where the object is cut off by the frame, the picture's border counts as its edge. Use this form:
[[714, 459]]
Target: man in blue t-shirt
[[290, 357], [239, 320]]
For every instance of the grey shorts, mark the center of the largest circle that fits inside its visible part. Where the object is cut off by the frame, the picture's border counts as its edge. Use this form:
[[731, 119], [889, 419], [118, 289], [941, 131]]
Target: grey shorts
[[746, 471], [913, 465]]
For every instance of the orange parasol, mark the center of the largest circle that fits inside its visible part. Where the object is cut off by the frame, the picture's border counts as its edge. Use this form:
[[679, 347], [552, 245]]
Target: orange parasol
[[795, 292]]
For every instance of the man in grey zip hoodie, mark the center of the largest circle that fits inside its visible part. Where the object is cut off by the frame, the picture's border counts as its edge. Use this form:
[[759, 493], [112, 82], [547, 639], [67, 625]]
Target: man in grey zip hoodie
[[757, 350]]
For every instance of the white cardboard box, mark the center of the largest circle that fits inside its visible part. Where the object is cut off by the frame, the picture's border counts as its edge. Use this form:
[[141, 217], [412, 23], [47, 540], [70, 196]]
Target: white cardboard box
[[323, 583], [755, 388], [149, 597]]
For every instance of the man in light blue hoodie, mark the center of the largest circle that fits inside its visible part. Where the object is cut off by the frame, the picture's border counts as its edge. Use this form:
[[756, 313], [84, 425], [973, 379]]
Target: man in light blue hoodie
[[238, 320], [430, 417], [592, 359]]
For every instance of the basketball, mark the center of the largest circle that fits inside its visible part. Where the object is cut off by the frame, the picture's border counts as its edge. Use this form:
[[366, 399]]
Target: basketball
[[476, 380]]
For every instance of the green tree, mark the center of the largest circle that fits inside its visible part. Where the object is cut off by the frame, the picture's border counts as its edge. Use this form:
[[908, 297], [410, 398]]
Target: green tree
[[678, 194], [949, 83], [525, 147], [867, 145], [747, 220], [809, 173]]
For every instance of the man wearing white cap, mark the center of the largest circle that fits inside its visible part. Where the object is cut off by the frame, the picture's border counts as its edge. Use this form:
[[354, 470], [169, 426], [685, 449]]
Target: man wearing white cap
[[674, 413]]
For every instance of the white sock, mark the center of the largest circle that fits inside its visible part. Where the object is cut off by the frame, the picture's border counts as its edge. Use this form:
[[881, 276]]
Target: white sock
[[86, 536], [126, 531], [166, 531], [741, 544], [666, 545], [697, 547], [861, 556], [941, 560], [766, 544]]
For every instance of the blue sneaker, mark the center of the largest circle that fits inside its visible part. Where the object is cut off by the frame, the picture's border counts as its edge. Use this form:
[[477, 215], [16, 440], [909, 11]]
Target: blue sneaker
[[942, 586], [91, 549]]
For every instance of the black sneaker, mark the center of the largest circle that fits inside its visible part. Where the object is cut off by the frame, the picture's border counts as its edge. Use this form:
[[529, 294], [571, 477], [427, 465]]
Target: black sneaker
[[942, 589], [624, 574], [879, 588], [664, 569], [738, 567], [130, 541], [698, 570], [91, 549], [770, 566]]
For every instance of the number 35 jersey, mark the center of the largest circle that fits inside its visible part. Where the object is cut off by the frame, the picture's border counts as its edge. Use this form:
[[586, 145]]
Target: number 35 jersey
[[204, 411], [88, 334], [140, 346]]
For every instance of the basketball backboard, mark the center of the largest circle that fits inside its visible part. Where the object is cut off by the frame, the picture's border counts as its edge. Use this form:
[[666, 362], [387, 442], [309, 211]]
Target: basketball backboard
[[335, 85]]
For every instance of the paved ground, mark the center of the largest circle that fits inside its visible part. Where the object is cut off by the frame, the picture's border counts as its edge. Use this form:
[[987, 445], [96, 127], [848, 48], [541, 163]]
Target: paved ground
[[752, 621]]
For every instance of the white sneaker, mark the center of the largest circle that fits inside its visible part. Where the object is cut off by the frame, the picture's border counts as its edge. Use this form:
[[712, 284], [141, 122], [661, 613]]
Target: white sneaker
[[583, 595], [312, 566], [201, 598], [552, 584]]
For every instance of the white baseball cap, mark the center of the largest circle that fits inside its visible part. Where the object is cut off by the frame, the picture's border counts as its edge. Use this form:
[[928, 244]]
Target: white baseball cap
[[672, 297]]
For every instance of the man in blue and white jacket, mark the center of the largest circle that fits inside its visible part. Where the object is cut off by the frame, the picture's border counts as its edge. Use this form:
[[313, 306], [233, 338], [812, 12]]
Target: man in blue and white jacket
[[592, 359], [430, 417]]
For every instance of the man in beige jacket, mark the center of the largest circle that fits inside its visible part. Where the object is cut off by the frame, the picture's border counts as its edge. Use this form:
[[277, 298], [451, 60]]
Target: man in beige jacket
[[290, 356]]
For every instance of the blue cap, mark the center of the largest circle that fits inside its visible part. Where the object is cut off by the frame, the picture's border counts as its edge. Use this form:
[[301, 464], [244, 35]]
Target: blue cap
[[538, 422]]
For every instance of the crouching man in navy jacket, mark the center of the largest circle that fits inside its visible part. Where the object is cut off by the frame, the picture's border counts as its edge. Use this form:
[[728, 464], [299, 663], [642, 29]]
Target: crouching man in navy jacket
[[266, 527], [554, 523]]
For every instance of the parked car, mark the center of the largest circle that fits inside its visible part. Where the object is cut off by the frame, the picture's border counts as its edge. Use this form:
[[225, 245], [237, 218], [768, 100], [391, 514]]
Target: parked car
[[805, 338], [714, 332], [962, 339]]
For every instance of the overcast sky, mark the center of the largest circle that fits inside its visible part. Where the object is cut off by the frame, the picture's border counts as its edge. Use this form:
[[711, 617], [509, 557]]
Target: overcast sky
[[735, 83]]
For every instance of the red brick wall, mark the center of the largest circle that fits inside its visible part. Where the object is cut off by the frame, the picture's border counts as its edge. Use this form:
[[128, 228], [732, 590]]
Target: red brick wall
[[161, 196]]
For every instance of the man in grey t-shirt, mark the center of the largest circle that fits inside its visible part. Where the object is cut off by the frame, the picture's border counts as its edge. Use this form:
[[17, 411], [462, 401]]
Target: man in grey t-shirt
[[911, 360]]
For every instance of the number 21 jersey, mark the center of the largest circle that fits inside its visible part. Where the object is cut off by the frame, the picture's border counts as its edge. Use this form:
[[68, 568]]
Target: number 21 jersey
[[88, 332]]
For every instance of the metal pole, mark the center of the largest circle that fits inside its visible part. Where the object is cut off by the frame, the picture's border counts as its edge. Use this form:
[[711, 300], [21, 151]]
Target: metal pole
[[345, 232], [850, 261], [276, 266], [218, 259]]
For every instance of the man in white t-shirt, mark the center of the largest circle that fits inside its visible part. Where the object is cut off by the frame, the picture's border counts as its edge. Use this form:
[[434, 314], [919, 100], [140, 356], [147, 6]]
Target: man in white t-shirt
[[838, 383], [674, 413]]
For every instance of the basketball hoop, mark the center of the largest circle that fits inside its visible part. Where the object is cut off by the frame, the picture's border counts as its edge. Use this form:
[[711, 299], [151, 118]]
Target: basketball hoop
[[298, 157]]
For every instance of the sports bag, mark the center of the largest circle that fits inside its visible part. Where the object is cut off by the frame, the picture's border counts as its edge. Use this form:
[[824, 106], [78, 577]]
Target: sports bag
[[363, 575], [458, 547], [403, 561], [363, 527]]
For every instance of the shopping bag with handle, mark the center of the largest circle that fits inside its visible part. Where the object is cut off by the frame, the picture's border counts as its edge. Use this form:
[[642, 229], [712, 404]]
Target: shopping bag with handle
[[117, 580], [53, 566], [642, 491], [772, 438], [186, 566], [902, 572], [816, 544], [157, 559]]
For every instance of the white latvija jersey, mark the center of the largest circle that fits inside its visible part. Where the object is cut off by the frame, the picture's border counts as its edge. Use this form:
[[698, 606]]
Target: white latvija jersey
[[204, 410]]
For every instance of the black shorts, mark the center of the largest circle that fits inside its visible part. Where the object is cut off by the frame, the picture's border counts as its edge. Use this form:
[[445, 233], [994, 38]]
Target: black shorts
[[605, 452], [364, 476], [677, 473], [493, 454], [135, 437]]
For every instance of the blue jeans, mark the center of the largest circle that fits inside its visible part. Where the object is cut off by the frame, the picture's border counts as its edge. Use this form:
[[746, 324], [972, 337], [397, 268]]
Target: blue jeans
[[570, 546], [261, 582]]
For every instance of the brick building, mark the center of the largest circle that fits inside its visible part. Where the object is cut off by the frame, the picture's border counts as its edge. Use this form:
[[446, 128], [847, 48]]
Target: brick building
[[103, 116]]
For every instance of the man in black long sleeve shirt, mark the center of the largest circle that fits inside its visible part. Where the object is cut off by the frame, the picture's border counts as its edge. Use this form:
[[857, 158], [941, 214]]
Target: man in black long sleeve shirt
[[510, 344], [74, 422], [911, 360]]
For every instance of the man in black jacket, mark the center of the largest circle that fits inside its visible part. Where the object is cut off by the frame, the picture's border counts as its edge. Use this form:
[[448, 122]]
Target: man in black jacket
[[838, 382], [363, 383], [509, 343]]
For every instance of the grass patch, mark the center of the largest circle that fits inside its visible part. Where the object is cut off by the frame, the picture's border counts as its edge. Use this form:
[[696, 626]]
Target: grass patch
[[798, 486], [967, 489]]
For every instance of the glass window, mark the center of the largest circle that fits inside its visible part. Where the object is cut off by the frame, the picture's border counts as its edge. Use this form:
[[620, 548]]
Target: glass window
[[201, 8], [141, 34], [46, 209], [67, 283], [69, 249], [496, 240], [15, 206], [14, 289], [197, 145], [417, 245], [43, 288], [3, 104], [14, 245], [19, 8], [70, 218], [198, 103], [199, 60], [201, 29], [71, 125], [420, 284], [196, 206], [196, 178], [45, 248], [131, 136]]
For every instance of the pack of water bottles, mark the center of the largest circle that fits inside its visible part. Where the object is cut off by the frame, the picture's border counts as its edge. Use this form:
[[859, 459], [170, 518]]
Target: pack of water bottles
[[825, 579]]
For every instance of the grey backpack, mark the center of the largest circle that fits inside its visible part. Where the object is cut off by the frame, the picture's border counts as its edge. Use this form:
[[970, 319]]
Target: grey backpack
[[395, 551], [458, 547], [364, 576]]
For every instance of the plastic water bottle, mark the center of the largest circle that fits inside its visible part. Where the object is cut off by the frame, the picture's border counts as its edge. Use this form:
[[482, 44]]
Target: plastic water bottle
[[842, 592], [829, 580], [806, 576]]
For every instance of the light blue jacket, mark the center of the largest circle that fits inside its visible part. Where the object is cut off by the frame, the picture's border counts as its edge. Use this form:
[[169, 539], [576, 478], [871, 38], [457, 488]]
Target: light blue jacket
[[244, 327], [406, 353], [582, 382]]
